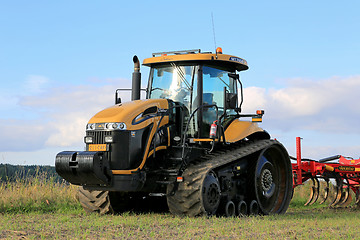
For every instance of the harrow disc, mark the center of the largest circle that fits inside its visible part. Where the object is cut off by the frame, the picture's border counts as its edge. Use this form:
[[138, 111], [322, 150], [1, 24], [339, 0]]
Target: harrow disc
[[338, 189], [326, 191], [273, 180], [314, 195], [357, 196], [345, 197]]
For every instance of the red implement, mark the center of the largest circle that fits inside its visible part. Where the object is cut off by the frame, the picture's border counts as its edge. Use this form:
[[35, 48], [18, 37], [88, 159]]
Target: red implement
[[344, 171]]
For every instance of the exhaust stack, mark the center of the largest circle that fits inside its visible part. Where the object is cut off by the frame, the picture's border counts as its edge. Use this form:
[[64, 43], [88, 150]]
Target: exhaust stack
[[136, 80]]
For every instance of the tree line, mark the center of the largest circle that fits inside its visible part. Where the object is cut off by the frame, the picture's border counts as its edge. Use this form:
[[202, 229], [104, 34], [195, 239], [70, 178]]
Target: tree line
[[9, 173]]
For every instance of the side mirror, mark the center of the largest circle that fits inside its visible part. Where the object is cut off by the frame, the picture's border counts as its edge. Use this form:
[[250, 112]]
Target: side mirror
[[230, 100], [117, 98]]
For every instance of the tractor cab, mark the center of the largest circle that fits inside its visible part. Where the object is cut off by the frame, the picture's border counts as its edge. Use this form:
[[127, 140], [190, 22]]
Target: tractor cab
[[204, 84]]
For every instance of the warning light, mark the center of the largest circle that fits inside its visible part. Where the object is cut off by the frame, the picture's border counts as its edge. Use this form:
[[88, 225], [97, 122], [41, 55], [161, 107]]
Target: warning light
[[219, 50], [179, 179], [260, 112]]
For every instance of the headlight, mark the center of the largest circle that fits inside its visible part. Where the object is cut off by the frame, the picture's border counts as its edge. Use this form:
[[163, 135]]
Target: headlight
[[109, 139], [90, 126], [115, 126], [106, 126], [88, 139]]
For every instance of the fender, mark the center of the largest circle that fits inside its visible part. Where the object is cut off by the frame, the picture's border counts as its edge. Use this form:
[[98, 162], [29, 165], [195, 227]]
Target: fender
[[238, 130]]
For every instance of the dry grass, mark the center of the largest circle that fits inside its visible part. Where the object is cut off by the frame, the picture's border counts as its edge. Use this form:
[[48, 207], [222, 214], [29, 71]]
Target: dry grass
[[304, 224], [40, 208], [40, 193]]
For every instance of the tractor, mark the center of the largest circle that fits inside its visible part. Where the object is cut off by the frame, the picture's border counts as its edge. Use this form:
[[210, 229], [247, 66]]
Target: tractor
[[187, 146]]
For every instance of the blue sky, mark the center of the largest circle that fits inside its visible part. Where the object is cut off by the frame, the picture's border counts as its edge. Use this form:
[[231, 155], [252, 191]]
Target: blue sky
[[60, 62]]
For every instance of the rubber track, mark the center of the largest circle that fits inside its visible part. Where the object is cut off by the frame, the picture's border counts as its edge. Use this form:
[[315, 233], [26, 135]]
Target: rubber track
[[95, 201], [187, 200]]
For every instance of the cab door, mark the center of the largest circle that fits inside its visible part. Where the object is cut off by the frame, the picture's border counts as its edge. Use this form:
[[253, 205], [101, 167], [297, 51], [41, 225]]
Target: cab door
[[213, 82]]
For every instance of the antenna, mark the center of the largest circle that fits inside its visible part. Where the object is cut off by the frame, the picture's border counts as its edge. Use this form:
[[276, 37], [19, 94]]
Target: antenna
[[213, 27]]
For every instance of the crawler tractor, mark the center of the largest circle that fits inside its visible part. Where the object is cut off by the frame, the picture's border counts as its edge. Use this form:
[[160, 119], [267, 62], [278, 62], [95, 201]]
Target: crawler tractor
[[187, 146]]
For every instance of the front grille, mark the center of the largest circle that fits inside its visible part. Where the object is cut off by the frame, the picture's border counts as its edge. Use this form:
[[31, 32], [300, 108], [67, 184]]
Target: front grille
[[99, 136]]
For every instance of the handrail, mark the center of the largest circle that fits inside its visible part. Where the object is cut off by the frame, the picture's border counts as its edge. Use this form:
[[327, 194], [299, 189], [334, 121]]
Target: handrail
[[191, 116]]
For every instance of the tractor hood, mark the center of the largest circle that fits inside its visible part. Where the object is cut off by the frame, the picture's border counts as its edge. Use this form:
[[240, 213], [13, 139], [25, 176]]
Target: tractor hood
[[135, 114]]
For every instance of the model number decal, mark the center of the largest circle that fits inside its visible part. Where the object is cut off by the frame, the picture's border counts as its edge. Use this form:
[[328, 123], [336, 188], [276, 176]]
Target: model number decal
[[240, 60]]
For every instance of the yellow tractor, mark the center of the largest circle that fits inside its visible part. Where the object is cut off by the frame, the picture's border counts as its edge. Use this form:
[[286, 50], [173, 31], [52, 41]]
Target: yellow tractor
[[187, 146]]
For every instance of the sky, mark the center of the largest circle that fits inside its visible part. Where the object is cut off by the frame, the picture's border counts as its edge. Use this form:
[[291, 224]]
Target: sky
[[61, 61]]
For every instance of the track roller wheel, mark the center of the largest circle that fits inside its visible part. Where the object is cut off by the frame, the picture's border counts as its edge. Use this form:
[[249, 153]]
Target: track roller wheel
[[242, 208], [254, 208], [201, 195], [95, 201], [211, 193], [230, 209], [273, 180]]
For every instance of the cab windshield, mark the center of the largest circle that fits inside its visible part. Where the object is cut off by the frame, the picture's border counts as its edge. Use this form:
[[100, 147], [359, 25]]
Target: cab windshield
[[179, 83], [175, 82]]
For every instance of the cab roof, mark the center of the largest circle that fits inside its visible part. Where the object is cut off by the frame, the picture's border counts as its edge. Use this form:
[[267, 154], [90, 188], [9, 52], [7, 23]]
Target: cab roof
[[196, 56]]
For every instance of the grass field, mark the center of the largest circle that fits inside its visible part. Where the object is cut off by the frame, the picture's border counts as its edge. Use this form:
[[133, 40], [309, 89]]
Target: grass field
[[42, 209]]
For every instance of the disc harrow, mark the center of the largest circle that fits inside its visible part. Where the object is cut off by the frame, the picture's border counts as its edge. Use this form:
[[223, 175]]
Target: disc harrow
[[342, 173]]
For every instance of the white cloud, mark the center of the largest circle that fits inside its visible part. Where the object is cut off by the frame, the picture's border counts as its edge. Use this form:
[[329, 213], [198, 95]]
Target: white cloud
[[68, 130], [254, 98], [69, 109], [326, 113], [62, 116], [326, 105], [19, 135]]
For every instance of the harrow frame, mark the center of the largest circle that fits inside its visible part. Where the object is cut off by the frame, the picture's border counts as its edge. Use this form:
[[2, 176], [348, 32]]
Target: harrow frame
[[345, 172]]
